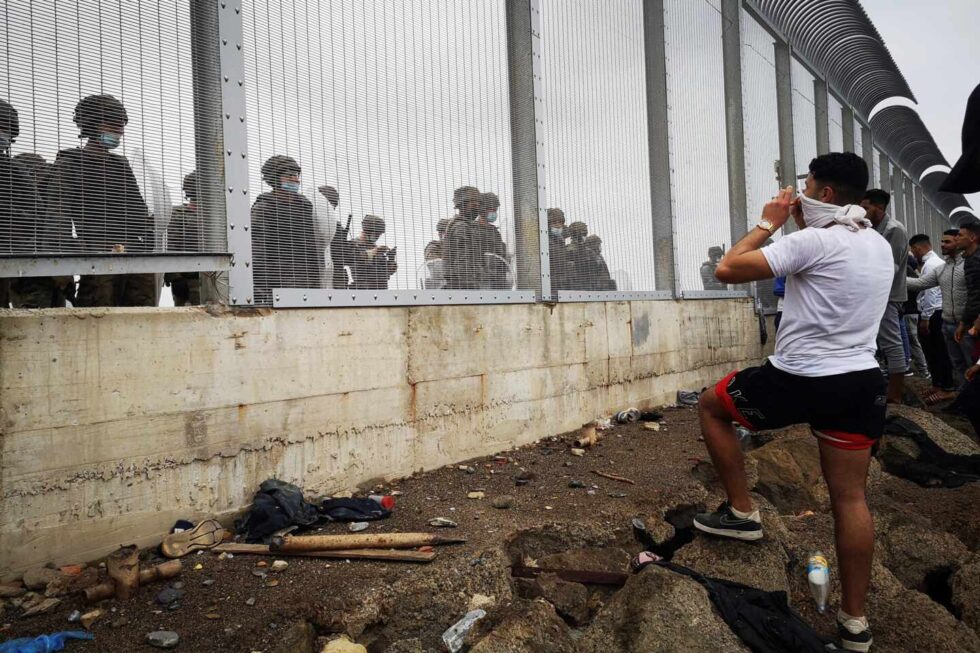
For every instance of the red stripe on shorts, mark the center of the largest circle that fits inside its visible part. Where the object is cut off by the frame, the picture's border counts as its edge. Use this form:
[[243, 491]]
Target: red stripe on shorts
[[721, 391], [845, 440]]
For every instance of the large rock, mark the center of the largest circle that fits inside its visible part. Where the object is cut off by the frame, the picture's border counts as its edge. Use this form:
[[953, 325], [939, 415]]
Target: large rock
[[759, 564], [571, 600], [948, 438], [789, 473], [659, 611], [300, 637], [39, 577], [531, 627], [965, 584], [913, 551]]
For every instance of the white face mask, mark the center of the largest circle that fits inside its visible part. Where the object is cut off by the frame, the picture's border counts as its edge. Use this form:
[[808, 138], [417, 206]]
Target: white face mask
[[817, 214]]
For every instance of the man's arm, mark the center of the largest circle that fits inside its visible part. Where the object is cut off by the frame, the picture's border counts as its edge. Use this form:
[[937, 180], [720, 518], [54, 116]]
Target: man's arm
[[745, 262], [930, 279]]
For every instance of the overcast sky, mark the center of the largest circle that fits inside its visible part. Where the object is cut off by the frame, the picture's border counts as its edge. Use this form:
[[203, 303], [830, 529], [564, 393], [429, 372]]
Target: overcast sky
[[936, 47]]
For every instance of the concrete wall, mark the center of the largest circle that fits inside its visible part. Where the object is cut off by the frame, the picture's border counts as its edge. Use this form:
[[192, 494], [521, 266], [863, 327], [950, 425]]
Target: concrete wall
[[117, 422]]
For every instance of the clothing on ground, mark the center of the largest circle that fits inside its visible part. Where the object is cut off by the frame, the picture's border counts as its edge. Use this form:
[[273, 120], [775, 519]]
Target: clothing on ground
[[762, 620], [829, 320], [933, 467]]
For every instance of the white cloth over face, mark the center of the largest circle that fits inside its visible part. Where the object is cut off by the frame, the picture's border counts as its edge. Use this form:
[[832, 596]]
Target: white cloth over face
[[820, 214]]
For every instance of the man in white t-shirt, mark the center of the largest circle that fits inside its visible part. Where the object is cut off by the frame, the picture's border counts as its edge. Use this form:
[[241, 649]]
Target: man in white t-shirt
[[838, 273]]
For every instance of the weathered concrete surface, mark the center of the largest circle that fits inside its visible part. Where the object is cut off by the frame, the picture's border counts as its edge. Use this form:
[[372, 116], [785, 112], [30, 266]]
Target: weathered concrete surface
[[117, 422]]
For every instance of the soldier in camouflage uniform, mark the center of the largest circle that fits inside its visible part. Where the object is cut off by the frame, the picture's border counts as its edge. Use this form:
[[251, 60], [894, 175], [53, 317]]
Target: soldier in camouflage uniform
[[373, 264], [494, 252], [580, 269], [598, 270], [185, 233], [461, 252], [21, 212], [287, 251], [558, 251], [95, 190]]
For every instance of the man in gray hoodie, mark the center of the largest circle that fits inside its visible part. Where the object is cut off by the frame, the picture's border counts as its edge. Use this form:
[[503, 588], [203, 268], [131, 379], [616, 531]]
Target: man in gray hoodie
[[889, 333]]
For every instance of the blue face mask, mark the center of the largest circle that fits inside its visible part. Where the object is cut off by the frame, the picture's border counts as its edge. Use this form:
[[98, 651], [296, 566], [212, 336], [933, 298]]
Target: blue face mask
[[109, 140], [290, 186], [557, 231], [492, 216]]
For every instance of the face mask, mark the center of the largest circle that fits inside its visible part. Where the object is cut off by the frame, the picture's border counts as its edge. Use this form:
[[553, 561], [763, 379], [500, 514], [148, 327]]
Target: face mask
[[492, 217], [290, 186], [557, 232], [109, 140], [819, 214], [4, 141]]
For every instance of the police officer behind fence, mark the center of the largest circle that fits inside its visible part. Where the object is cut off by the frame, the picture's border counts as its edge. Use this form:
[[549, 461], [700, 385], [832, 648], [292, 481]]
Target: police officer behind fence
[[462, 257], [579, 269], [708, 268], [491, 244], [557, 250], [286, 249], [373, 263], [96, 191], [598, 270], [185, 233]]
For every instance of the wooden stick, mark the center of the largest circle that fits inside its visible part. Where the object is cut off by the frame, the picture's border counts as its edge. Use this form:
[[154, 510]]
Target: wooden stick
[[613, 477], [107, 589], [359, 554], [363, 541], [123, 566]]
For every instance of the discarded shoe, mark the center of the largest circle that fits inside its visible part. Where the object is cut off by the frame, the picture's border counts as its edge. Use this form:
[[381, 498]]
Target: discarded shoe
[[628, 416], [205, 535], [642, 559], [688, 397]]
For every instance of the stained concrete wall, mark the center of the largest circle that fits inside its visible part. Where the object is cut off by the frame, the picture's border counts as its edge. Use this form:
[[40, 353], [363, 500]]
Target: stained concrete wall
[[115, 423]]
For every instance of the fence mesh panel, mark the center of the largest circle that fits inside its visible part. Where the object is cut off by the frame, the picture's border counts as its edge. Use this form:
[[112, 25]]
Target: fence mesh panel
[[698, 161], [379, 145], [597, 172]]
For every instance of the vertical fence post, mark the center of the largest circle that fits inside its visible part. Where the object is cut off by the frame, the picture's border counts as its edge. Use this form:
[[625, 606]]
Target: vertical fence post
[[209, 136], [820, 102], [868, 152], [731, 47], [886, 172], [784, 116], [847, 126], [524, 65], [655, 55], [219, 81], [898, 194]]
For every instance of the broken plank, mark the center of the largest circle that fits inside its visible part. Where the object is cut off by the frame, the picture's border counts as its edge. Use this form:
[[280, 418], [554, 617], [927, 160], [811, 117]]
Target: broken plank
[[359, 554]]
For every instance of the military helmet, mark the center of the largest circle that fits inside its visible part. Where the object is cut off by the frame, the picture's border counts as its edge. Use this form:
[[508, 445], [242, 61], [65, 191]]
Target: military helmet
[[190, 185], [465, 194], [489, 201], [593, 242], [278, 166], [716, 250], [555, 217], [373, 224], [8, 120], [96, 110], [577, 230]]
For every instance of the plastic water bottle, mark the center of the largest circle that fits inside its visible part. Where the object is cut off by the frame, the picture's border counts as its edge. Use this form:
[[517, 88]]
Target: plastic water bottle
[[818, 575], [386, 501]]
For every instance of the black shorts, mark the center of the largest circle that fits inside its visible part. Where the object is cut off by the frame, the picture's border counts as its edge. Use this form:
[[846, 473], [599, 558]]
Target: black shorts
[[846, 410]]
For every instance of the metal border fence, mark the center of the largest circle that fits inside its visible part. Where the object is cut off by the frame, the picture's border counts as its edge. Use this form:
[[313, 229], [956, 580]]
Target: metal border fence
[[844, 85]]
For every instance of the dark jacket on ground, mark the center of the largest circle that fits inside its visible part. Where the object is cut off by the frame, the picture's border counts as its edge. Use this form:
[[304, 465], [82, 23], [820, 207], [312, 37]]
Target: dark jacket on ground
[[286, 252], [98, 193]]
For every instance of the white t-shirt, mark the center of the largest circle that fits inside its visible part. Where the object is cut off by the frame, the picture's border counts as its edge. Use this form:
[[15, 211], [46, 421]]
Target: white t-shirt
[[837, 286]]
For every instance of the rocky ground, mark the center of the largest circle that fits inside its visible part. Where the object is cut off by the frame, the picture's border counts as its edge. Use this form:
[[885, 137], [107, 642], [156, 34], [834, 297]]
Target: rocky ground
[[925, 595]]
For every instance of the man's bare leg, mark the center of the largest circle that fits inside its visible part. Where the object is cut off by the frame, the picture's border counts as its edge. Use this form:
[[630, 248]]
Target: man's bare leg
[[725, 450], [846, 473]]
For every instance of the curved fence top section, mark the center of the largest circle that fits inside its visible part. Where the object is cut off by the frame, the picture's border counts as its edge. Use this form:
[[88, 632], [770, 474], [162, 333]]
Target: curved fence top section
[[946, 202], [838, 37], [905, 138]]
